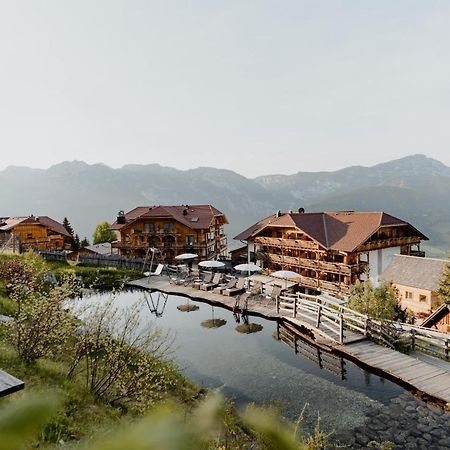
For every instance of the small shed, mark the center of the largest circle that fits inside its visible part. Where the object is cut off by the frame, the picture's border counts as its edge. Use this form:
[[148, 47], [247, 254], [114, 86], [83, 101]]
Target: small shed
[[103, 249]]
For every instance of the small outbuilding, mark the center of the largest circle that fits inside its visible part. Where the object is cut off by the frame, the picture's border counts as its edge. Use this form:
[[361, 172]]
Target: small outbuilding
[[417, 281]]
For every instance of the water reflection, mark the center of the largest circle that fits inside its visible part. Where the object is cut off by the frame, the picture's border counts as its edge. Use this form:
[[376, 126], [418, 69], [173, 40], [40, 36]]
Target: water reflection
[[301, 347], [276, 365], [156, 302]]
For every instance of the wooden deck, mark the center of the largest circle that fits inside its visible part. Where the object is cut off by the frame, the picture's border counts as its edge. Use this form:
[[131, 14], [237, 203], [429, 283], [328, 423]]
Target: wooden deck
[[9, 384], [428, 375]]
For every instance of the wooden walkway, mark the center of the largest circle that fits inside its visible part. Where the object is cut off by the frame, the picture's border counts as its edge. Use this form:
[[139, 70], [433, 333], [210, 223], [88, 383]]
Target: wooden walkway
[[9, 384], [428, 375]]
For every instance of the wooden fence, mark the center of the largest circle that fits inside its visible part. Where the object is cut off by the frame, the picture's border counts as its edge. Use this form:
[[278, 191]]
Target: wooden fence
[[101, 260], [335, 320]]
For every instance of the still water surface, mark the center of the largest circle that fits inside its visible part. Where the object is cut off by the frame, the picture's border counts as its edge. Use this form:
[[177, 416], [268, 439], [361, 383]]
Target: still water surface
[[259, 368]]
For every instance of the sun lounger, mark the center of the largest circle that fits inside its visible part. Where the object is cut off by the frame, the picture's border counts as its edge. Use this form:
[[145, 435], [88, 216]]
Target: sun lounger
[[274, 294], [214, 283], [238, 289], [206, 279], [157, 271], [230, 284]]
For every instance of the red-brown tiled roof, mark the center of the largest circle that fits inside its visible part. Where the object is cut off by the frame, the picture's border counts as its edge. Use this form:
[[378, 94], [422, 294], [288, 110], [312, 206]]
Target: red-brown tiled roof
[[8, 223], [343, 231], [244, 235], [193, 216]]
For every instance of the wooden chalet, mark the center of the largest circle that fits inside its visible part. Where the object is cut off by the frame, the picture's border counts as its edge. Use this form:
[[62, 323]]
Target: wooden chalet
[[331, 250], [36, 232], [172, 230]]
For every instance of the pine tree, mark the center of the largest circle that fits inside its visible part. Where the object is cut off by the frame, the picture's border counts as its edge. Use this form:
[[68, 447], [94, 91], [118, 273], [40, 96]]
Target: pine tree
[[76, 243], [67, 226], [444, 286], [84, 242]]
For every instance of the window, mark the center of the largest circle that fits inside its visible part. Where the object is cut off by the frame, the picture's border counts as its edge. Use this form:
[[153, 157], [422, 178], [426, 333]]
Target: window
[[408, 295], [190, 239], [168, 227], [422, 298], [29, 235], [149, 227]]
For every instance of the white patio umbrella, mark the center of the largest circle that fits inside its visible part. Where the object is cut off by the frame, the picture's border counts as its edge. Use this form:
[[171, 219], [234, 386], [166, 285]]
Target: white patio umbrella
[[211, 264], [286, 275], [185, 256], [248, 268]]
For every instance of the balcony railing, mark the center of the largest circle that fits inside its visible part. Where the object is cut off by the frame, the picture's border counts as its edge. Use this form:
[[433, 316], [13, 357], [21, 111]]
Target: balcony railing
[[321, 266], [288, 243], [390, 242]]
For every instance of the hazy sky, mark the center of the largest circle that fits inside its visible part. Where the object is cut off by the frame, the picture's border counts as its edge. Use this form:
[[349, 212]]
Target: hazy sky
[[253, 86]]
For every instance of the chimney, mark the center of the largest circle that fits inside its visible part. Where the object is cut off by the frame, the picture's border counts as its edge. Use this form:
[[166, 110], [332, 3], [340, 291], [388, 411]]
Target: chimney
[[121, 218]]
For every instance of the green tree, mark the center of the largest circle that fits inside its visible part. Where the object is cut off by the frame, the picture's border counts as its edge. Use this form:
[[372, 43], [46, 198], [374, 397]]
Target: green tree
[[76, 243], [85, 242], [444, 286], [68, 226], [377, 302], [103, 233], [73, 240]]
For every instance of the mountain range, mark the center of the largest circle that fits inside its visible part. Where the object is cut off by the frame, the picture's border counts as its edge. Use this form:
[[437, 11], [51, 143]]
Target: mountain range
[[414, 188]]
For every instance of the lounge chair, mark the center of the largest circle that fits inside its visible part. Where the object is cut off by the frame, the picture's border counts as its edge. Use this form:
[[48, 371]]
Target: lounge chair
[[214, 283], [238, 289], [230, 284], [255, 288], [157, 271], [179, 278], [207, 279], [274, 294]]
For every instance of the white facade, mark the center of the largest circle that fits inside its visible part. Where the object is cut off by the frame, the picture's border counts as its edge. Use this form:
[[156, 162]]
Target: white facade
[[379, 260]]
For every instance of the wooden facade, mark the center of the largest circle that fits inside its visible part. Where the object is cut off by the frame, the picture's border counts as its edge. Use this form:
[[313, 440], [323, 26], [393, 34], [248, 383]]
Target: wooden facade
[[331, 251], [440, 319], [172, 230], [38, 233]]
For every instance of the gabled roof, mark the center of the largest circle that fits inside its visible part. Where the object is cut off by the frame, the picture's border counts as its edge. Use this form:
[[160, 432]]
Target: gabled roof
[[101, 249], [8, 223], [258, 226], [342, 231], [438, 315], [197, 217], [413, 271]]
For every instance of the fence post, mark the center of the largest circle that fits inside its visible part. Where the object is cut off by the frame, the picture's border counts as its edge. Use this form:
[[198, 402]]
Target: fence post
[[341, 328], [295, 307], [319, 315], [446, 349], [277, 303], [413, 339]]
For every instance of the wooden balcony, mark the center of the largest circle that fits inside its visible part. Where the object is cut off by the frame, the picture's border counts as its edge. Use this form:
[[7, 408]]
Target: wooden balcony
[[320, 266], [297, 244], [390, 242]]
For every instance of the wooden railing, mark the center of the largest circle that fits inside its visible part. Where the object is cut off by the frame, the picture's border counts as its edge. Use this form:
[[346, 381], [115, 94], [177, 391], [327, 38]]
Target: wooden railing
[[288, 243], [314, 264], [325, 360], [389, 242], [332, 319]]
